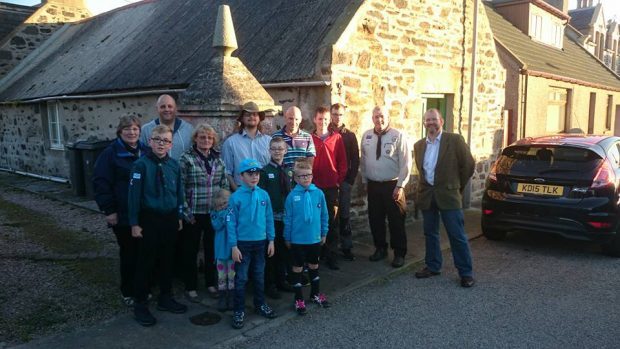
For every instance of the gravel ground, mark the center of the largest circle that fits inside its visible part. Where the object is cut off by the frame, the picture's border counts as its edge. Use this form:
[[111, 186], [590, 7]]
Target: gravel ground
[[59, 268], [532, 292]]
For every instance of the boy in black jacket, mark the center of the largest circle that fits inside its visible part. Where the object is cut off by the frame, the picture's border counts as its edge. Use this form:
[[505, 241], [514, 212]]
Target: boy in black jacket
[[155, 211]]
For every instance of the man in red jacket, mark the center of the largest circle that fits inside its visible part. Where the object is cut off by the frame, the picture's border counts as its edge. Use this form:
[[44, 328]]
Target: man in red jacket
[[329, 171]]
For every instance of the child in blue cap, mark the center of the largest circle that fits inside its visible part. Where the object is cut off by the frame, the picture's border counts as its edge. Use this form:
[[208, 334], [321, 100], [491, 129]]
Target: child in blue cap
[[249, 225]]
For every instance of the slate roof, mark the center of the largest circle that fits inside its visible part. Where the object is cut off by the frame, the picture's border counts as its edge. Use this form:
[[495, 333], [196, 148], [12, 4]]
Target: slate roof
[[11, 16], [572, 62], [581, 18], [166, 43]]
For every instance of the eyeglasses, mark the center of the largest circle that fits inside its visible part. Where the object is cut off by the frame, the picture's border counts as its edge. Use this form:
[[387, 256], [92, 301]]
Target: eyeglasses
[[304, 176], [277, 149], [161, 141]]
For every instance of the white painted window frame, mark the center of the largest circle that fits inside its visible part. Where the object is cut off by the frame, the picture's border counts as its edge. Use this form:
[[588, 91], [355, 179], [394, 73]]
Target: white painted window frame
[[53, 125]]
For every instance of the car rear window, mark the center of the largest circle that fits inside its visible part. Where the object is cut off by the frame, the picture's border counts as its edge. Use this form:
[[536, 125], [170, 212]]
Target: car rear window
[[556, 161]]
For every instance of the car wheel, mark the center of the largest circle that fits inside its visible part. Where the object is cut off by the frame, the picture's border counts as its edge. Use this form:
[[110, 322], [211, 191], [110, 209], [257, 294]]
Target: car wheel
[[493, 234], [612, 247]]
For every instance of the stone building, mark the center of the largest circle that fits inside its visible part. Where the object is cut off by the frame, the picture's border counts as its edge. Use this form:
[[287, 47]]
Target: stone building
[[599, 35], [553, 84], [408, 55]]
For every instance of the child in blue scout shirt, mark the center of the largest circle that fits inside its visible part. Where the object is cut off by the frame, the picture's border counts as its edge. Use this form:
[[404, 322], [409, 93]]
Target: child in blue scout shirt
[[305, 230], [155, 208], [249, 225], [276, 180], [224, 264]]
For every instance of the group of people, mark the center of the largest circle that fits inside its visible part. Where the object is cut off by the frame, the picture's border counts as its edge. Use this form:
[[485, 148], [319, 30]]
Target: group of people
[[269, 207]]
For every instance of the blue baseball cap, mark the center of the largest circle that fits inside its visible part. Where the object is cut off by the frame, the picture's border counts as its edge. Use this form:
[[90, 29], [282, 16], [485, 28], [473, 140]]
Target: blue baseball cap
[[249, 165]]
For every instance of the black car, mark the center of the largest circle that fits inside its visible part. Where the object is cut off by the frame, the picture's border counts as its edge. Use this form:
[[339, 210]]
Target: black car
[[563, 184]]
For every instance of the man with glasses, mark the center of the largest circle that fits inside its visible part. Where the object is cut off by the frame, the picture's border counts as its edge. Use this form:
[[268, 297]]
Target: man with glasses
[[299, 142], [385, 167], [337, 114], [181, 130], [248, 143]]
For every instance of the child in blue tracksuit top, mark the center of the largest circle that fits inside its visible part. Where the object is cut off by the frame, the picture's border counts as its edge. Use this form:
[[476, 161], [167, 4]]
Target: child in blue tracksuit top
[[224, 264], [305, 230], [249, 225]]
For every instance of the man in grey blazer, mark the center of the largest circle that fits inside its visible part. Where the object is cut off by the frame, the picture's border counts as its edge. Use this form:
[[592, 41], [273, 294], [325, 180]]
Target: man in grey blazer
[[445, 165]]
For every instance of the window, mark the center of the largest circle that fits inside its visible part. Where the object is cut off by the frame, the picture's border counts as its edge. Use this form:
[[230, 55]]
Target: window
[[53, 125], [536, 27], [556, 110]]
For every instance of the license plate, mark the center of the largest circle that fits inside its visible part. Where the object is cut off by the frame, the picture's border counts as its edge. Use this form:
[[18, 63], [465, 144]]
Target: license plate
[[540, 189]]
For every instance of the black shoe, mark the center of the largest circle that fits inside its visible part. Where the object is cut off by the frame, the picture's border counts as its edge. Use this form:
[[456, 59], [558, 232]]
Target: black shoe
[[380, 253], [143, 316], [272, 292], [332, 263], [426, 273], [168, 303], [467, 281], [398, 261], [348, 255]]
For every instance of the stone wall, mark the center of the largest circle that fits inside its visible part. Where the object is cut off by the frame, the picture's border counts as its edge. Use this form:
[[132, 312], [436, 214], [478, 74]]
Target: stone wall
[[36, 29], [24, 138], [395, 52]]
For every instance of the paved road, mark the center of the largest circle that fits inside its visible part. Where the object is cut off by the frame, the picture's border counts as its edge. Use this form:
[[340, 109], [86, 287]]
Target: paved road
[[532, 292]]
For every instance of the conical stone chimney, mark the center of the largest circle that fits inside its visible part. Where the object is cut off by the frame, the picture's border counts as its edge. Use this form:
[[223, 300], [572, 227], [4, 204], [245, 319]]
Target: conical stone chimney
[[226, 83]]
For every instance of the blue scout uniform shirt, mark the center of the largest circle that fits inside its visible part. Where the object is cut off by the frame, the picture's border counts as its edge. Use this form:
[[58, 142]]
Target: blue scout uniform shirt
[[250, 217], [155, 185], [220, 243], [305, 216]]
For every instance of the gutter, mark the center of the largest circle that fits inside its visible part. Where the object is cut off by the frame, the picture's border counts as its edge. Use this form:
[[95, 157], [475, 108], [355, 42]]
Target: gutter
[[34, 175], [319, 83], [98, 96], [567, 79]]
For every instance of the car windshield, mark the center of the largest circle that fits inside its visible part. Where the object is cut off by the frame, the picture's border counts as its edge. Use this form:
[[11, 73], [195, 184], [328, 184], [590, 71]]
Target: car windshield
[[548, 160]]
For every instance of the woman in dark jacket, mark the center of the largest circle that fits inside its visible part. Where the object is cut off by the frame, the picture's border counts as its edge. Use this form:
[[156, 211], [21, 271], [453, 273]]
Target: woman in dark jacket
[[111, 183]]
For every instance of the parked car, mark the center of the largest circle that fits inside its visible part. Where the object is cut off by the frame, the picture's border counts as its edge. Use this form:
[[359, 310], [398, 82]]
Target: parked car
[[563, 184]]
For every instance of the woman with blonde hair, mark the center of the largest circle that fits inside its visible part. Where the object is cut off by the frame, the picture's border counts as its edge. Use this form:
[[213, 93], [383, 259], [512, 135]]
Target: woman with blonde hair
[[203, 175]]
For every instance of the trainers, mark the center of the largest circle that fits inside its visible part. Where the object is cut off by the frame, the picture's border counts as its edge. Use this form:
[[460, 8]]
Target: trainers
[[143, 316], [347, 255], [168, 303], [193, 296], [321, 300], [237, 319], [300, 306], [266, 311], [128, 301]]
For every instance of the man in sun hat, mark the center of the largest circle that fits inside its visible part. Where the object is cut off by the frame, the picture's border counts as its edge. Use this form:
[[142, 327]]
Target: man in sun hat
[[248, 143]]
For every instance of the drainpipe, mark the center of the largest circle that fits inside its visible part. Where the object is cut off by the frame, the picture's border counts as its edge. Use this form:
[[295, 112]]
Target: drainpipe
[[472, 89]]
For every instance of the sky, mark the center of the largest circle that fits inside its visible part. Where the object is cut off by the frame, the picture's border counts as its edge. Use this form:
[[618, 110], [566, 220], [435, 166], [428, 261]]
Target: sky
[[611, 7]]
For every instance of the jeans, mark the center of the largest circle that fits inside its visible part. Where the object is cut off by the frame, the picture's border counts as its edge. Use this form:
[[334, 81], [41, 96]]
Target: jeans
[[454, 222], [344, 211], [253, 256]]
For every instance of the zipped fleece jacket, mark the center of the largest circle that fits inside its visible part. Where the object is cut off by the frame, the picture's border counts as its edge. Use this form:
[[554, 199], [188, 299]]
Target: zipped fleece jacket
[[305, 216], [148, 190], [250, 217], [329, 168], [220, 243], [111, 178], [181, 136]]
